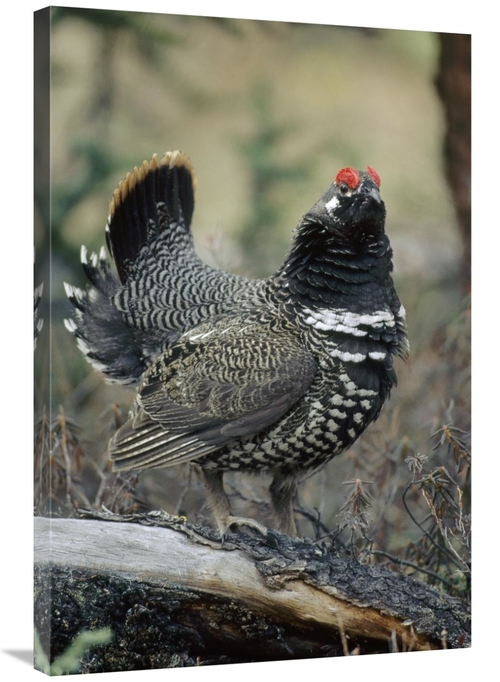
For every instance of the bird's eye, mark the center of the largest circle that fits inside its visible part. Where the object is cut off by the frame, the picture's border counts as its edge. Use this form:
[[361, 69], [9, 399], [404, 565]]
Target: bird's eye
[[343, 187]]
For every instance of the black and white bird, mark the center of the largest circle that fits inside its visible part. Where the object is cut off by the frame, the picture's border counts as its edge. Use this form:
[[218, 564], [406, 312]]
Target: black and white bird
[[234, 374]]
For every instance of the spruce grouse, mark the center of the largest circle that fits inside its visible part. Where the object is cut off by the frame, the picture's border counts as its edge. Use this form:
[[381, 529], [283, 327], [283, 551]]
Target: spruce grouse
[[276, 375]]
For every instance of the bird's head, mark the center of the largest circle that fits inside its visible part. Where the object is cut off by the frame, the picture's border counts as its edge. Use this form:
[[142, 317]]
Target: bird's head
[[351, 210]]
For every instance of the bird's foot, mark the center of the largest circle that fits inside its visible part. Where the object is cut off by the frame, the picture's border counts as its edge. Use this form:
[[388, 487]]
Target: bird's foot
[[232, 521]]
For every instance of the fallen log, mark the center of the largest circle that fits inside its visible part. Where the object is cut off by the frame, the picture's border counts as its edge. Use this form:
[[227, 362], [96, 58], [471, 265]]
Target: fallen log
[[174, 595]]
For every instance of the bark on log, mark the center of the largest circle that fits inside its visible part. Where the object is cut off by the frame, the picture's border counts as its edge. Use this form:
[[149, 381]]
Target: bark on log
[[173, 595]]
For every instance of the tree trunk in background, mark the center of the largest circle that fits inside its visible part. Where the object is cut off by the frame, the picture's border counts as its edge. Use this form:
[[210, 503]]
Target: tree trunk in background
[[453, 84]]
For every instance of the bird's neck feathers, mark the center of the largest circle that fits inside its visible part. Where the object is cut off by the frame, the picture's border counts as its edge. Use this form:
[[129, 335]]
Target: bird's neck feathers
[[322, 268]]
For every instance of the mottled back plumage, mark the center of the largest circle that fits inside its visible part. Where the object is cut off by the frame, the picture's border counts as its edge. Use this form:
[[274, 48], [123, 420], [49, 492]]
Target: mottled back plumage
[[278, 374]]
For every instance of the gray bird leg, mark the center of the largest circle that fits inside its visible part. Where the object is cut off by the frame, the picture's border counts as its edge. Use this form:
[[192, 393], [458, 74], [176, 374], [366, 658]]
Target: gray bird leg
[[283, 489], [220, 506]]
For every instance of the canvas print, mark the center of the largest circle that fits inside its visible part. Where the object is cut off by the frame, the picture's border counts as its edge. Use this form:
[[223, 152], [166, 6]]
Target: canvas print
[[252, 341]]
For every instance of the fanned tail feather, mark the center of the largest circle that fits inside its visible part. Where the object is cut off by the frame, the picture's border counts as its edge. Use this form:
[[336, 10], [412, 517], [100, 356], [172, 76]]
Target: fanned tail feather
[[147, 200], [98, 326], [152, 200]]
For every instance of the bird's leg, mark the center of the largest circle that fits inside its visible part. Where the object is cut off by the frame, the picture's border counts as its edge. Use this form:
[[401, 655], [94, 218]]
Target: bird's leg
[[283, 489], [220, 506]]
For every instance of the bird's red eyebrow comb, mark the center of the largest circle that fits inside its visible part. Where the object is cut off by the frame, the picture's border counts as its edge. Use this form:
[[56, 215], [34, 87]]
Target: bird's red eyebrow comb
[[348, 175], [375, 176]]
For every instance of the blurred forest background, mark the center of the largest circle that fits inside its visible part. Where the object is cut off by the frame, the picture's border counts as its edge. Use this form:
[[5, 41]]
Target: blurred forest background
[[268, 112]]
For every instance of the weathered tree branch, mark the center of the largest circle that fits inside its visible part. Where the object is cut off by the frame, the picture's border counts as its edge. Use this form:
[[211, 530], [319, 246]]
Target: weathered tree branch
[[173, 595]]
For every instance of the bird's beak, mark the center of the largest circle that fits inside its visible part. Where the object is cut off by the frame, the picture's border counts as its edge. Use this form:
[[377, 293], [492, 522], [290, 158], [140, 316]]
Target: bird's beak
[[373, 192]]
